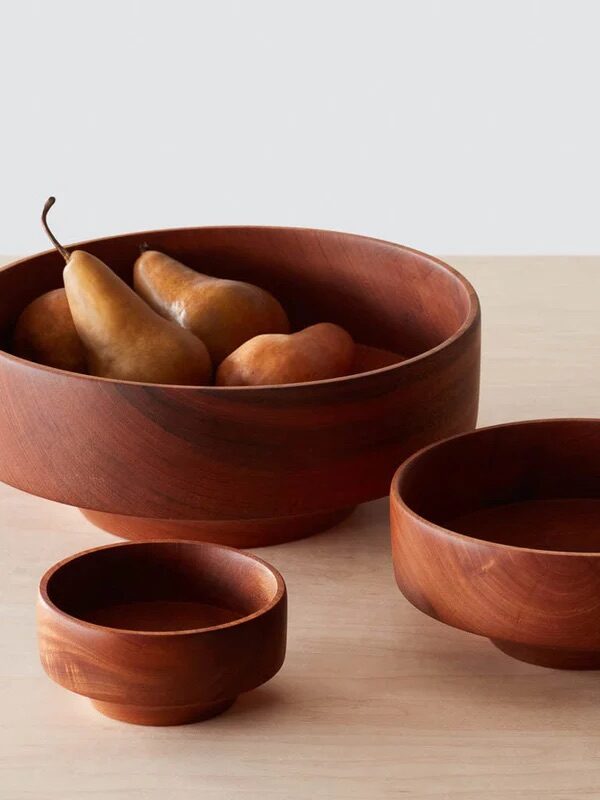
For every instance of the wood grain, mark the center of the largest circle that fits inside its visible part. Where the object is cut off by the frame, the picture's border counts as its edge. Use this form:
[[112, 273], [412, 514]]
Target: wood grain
[[526, 572], [217, 628], [203, 454], [386, 702]]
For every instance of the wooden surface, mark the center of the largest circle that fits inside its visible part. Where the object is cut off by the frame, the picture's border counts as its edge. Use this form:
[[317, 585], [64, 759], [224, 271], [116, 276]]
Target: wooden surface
[[375, 699]]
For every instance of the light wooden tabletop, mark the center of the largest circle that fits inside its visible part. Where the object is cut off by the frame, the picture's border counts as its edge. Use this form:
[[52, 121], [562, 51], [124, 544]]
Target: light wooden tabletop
[[375, 700]]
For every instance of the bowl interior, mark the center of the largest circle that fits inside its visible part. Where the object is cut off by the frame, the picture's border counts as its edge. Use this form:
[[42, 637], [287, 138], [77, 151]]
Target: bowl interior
[[533, 484], [385, 295], [161, 586]]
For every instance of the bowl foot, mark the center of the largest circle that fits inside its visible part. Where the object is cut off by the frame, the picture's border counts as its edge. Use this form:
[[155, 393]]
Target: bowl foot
[[555, 658], [162, 715], [237, 533]]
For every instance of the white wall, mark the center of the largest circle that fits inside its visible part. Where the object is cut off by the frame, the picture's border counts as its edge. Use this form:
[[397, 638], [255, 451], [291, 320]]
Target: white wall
[[454, 126]]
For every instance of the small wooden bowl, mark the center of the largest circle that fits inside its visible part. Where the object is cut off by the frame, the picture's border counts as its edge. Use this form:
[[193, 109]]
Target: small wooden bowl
[[497, 532], [248, 466], [162, 633]]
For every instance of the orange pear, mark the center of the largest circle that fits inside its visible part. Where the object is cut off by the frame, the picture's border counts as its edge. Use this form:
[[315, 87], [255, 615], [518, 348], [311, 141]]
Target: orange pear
[[316, 353], [45, 333], [223, 313]]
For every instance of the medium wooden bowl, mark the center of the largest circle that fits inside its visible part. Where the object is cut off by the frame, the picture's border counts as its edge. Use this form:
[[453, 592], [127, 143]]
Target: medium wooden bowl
[[497, 532], [248, 466], [162, 633]]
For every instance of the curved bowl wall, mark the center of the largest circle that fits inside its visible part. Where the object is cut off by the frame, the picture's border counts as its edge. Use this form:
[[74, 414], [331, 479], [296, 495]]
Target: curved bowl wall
[[247, 465]]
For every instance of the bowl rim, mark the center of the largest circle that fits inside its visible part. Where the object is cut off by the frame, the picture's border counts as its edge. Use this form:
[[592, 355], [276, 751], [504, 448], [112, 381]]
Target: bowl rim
[[473, 314], [397, 500], [43, 596]]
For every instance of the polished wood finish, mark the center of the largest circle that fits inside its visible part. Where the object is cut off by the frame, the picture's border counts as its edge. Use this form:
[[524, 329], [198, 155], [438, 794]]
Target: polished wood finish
[[367, 358], [497, 532], [244, 532], [162, 633], [249, 453], [375, 699]]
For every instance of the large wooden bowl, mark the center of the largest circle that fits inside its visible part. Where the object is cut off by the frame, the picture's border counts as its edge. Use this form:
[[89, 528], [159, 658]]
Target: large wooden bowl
[[497, 532], [162, 633], [248, 466]]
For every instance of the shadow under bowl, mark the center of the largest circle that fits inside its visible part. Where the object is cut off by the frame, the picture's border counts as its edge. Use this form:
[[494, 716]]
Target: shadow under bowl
[[497, 532], [162, 633], [248, 466]]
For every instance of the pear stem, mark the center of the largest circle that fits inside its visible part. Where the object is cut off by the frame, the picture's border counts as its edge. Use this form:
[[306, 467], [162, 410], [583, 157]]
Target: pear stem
[[62, 250]]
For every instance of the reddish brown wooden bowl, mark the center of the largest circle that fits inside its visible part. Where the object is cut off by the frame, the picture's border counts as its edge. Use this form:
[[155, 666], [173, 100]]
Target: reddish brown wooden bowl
[[162, 633], [248, 465], [497, 532]]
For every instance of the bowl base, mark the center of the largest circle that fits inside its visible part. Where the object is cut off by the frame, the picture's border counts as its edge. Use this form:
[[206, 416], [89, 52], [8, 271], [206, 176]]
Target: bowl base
[[236, 533], [162, 715], [555, 658]]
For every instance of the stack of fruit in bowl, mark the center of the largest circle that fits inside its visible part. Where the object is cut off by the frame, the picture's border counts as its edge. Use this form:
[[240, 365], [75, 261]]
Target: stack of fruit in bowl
[[131, 428], [175, 326]]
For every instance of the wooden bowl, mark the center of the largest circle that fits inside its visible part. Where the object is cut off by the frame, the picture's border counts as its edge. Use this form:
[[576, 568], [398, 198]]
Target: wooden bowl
[[497, 532], [248, 466], [162, 633]]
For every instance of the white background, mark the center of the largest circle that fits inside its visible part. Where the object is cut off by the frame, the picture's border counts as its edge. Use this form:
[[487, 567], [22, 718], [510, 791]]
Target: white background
[[466, 126]]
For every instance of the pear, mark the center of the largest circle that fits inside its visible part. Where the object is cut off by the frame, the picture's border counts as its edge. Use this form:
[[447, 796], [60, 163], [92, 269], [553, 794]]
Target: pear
[[223, 313], [123, 337], [316, 353], [45, 333]]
